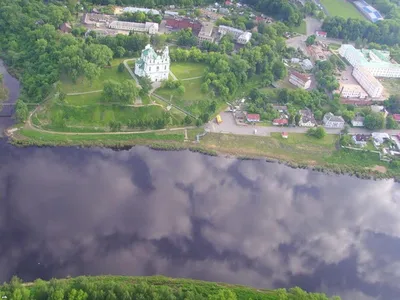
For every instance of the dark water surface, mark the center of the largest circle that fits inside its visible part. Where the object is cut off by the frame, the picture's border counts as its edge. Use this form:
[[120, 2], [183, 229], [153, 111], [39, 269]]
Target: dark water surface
[[68, 211]]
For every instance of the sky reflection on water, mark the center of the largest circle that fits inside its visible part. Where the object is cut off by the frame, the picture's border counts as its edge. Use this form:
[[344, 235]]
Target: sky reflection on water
[[66, 211]]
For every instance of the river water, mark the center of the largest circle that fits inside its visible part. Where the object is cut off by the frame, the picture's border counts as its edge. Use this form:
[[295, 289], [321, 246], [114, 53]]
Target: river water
[[70, 211]]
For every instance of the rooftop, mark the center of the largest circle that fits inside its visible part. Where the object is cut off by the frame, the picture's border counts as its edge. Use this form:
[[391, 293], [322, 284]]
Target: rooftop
[[332, 118], [396, 117], [301, 76]]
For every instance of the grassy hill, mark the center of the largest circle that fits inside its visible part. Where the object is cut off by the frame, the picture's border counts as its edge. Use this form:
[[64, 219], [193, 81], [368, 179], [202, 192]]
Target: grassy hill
[[155, 287]]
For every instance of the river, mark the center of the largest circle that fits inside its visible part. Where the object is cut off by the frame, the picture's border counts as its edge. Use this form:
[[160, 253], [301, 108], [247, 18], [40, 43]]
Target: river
[[70, 211]]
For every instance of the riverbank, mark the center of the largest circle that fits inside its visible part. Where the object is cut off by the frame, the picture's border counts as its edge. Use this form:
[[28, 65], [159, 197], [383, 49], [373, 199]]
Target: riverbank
[[298, 151]]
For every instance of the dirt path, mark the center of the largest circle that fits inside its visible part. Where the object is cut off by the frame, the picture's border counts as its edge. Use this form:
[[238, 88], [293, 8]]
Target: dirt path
[[191, 78], [84, 93]]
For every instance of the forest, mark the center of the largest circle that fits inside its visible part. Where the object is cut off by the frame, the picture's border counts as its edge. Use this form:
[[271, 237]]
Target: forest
[[144, 288]]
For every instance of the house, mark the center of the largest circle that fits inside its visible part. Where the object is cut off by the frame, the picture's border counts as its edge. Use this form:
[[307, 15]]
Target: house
[[253, 118], [396, 117], [65, 28], [228, 2], [361, 139], [285, 135], [152, 64], [280, 122], [319, 33], [379, 138], [358, 121], [280, 108], [332, 121], [306, 64], [300, 80], [307, 118]]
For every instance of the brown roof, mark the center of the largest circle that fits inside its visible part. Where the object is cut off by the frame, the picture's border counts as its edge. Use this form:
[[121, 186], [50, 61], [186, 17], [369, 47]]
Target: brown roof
[[65, 27], [184, 23], [301, 76]]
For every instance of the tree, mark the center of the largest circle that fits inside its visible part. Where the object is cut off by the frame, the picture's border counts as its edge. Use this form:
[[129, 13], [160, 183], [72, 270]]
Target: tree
[[297, 119], [180, 90], [310, 40], [121, 67], [318, 132], [346, 140], [115, 126], [279, 70], [100, 55], [91, 72], [186, 38], [187, 120], [21, 111], [62, 96], [391, 123], [374, 120], [145, 83]]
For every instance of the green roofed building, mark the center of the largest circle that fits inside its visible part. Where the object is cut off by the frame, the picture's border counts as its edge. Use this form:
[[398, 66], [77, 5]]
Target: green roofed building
[[153, 64]]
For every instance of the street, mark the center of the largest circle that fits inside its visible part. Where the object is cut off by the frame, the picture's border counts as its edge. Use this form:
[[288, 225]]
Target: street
[[229, 125]]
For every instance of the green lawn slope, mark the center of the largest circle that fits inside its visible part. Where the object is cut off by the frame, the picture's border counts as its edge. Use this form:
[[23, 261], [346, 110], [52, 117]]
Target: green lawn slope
[[155, 287]]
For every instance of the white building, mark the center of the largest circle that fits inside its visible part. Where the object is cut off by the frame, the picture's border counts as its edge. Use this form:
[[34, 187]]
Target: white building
[[300, 80], [352, 91], [307, 118], [153, 65], [377, 62], [139, 9], [206, 32], [332, 121], [242, 37], [369, 83], [379, 138], [148, 27]]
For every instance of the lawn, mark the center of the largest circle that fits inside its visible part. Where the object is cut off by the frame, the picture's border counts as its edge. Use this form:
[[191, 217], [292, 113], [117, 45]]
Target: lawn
[[94, 117], [193, 100], [83, 85], [391, 85], [184, 70], [302, 28], [342, 8], [86, 99]]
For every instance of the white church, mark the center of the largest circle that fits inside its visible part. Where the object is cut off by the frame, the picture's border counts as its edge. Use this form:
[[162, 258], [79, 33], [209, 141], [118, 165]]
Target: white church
[[153, 64]]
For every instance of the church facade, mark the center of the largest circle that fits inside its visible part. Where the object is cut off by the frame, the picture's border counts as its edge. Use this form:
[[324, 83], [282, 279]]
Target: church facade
[[152, 64]]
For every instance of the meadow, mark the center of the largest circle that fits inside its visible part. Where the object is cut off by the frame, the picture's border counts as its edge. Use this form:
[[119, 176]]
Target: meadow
[[342, 8]]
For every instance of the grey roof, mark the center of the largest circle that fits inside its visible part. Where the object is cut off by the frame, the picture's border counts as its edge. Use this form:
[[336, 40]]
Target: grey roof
[[330, 117]]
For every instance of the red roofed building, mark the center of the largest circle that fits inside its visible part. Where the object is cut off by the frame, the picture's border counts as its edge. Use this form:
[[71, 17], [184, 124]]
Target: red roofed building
[[322, 34], [183, 23], [253, 118], [280, 122], [227, 2], [396, 117]]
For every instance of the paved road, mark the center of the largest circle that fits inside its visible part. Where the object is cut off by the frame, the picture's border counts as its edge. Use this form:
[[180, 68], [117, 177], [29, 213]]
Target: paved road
[[313, 25], [228, 125]]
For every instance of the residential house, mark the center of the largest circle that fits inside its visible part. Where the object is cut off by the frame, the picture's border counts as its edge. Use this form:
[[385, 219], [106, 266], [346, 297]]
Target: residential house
[[396, 117], [332, 121], [379, 109], [285, 135], [300, 80], [240, 115], [361, 139], [307, 118], [280, 108], [65, 28], [379, 138], [280, 122], [319, 33], [358, 121], [253, 118]]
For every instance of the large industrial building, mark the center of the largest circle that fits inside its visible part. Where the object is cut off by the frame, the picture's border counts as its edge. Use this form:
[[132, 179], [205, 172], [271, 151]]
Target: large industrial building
[[368, 11]]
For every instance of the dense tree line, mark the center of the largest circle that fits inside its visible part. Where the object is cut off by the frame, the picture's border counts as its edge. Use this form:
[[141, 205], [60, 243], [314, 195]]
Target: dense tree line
[[140, 17], [382, 32], [154, 288], [280, 9]]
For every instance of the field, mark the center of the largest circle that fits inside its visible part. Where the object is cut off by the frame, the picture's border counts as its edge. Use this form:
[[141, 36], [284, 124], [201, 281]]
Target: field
[[391, 85], [342, 8], [83, 85], [302, 28], [187, 70]]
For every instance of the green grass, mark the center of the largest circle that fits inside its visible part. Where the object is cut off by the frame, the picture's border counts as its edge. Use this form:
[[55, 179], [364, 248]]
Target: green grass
[[342, 8], [86, 99], [193, 100], [302, 28], [184, 70], [391, 85], [353, 157], [334, 46], [83, 85]]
